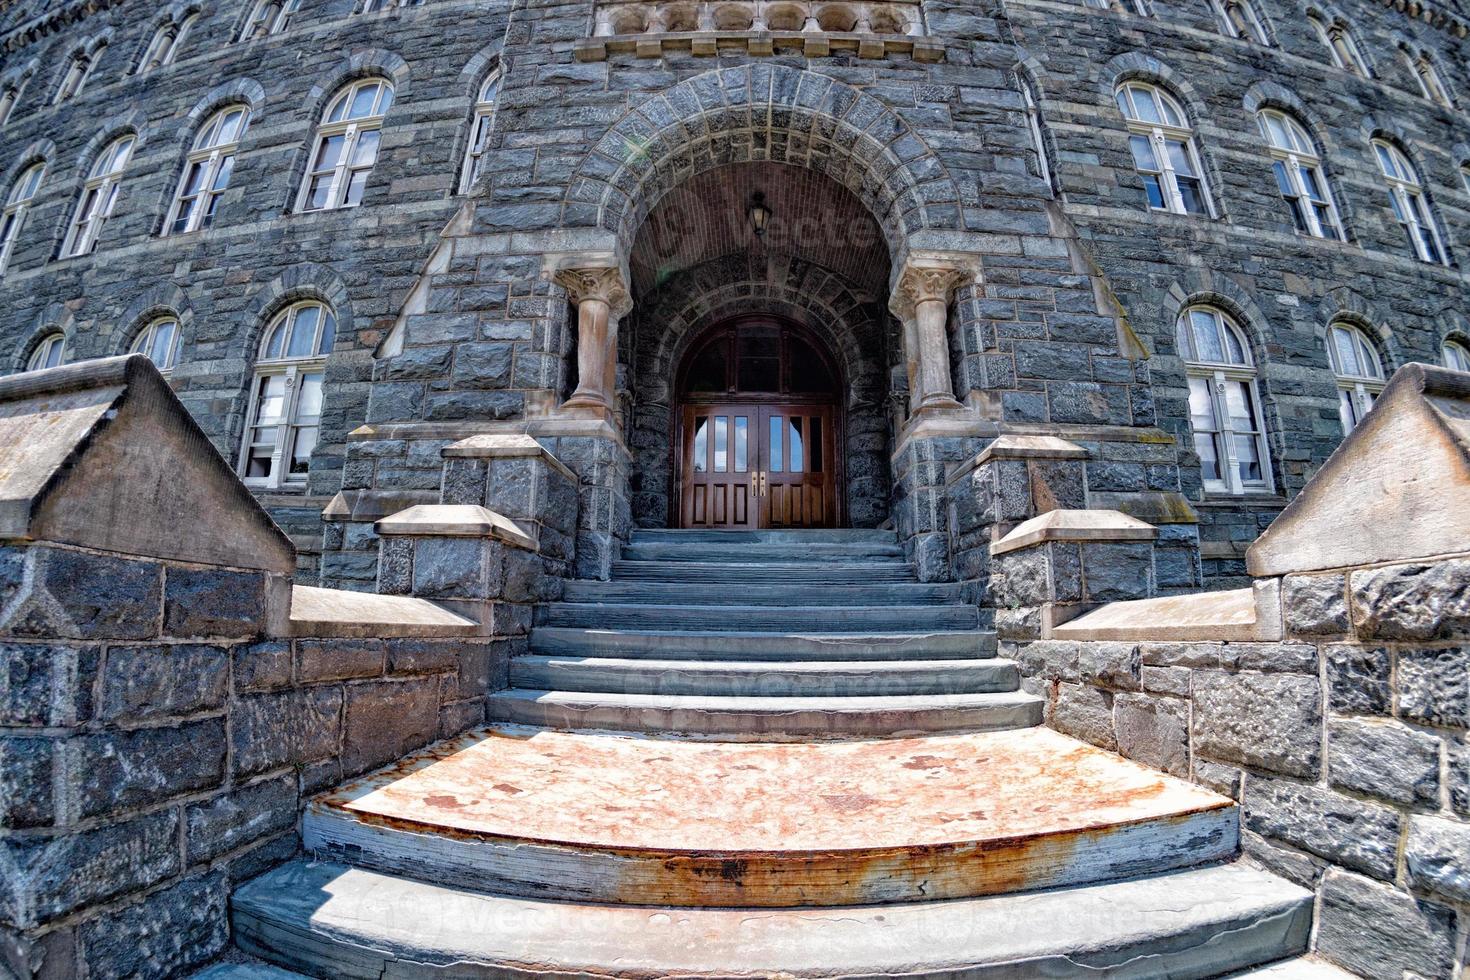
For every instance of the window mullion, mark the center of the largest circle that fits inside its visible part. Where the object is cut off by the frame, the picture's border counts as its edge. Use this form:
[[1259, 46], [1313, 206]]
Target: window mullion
[[1166, 172], [1230, 466]]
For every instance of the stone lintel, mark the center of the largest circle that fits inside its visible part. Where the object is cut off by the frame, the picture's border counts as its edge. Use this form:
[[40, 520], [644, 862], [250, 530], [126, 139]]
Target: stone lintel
[[505, 446], [337, 612], [1250, 614], [455, 520], [1075, 525], [1015, 446]]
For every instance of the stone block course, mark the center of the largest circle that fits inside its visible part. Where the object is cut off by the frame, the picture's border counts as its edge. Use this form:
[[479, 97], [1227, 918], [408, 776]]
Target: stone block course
[[1232, 710]]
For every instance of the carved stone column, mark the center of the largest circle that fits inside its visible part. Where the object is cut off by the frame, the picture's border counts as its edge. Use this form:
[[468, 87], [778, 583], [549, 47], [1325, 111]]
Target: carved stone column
[[921, 301], [601, 300]]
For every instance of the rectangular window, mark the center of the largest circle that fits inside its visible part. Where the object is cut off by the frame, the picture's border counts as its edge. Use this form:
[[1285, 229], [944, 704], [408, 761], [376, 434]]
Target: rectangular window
[[285, 424], [1225, 416]]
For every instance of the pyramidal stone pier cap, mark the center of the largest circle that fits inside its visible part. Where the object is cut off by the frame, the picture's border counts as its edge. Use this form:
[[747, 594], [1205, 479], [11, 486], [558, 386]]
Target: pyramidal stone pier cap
[[101, 454], [504, 446], [1075, 525], [1396, 490], [1013, 446], [455, 520]]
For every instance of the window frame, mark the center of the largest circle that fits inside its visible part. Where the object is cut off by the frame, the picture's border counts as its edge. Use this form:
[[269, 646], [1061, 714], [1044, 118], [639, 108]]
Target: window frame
[[54, 341], [1408, 203], [143, 342], [1294, 161], [352, 129], [211, 159], [1034, 124], [482, 122], [78, 72], [1254, 30], [1338, 38], [9, 99], [1217, 375], [1431, 82], [1356, 392], [1451, 351], [262, 22], [292, 370], [1159, 134], [17, 203], [168, 38], [102, 185]]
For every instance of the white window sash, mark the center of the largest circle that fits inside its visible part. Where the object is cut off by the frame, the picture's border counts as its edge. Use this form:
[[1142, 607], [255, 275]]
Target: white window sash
[[1159, 137], [1409, 200], [85, 230], [1294, 166], [285, 429], [212, 160], [1225, 449], [13, 219], [341, 173], [479, 138]]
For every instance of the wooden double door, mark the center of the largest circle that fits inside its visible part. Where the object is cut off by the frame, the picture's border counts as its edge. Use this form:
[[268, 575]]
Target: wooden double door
[[757, 465]]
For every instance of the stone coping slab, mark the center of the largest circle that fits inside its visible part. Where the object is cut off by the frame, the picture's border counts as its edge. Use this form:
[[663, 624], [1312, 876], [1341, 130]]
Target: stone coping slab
[[1252, 613], [505, 446], [648, 820], [457, 521], [1075, 525], [338, 612], [1015, 446]]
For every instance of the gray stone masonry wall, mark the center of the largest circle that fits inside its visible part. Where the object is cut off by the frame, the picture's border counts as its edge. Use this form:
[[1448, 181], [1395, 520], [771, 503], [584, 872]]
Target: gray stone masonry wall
[[1347, 743], [156, 748]]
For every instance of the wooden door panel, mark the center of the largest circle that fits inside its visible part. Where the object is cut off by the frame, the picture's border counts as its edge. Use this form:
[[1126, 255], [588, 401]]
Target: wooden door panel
[[797, 459], [717, 465]]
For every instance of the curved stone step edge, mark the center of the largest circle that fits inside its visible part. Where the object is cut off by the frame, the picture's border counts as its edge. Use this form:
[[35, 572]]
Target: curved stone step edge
[[716, 572], [715, 646], [805, 678], [335, 921], [825, 594], [808, 619]]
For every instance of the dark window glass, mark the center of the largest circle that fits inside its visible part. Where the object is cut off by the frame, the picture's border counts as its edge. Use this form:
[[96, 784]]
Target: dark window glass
[[807, 371], [707, 373], [759, 353]]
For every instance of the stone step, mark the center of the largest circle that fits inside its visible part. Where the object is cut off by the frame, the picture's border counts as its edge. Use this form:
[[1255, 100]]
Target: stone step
[[773, 536], [769, 593], [807, 619], [1296, 968], [245, 971], [720, 571], [733, 645], [714, 551], [803, 679], [683, 822], [768, 718]]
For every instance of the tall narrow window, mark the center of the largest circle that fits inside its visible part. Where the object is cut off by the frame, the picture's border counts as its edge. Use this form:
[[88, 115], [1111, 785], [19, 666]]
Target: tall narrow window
[[1340, 44], [268, 17], [1224, 403], [1455, 355], [1465, 176], [1431, 85], [1358, 370], [99, 196], [207, 171], [164, 47], [9, 96], [1033, 124], [1238, 19], [1409, 205], [78, 71], [1163, 148], [49, 353], [346, 147], [160, 341], [16, 204], [286, 398], [1299, 175], [480, 128]]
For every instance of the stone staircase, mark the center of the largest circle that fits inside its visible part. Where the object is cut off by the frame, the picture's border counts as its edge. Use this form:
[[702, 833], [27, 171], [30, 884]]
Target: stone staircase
[[759, 755]]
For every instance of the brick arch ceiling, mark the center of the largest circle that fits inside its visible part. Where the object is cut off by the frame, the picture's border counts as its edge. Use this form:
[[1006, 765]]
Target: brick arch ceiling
[[813, 219]]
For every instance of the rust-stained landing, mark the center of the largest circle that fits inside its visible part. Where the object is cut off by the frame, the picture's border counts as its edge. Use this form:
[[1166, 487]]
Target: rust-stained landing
[[700, 823]]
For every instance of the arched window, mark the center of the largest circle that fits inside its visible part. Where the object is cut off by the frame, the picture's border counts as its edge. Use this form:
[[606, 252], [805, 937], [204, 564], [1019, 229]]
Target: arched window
[[480, 131], [286, 397], [207, 170], [160, 341], [1358, 370], [1409, 205], [1164, 151], [1299, 175], [164, 47], [1455, 355], [78, 71], [1431, 84], [99, 195], [346, 146], [9, 96], [49, 353], [1224, 403], [16, 204], [1034, 125], [1238, 19], [268, 17], [1339, 41], [1465, 176]]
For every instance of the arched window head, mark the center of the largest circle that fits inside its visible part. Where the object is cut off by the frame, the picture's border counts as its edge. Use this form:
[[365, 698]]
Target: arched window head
[[49, 353], [1359, 373], [207, 170], [346, 146], [286, 396], [1299, 175], [1238, 19], [1164, 151], [17, 203], [99, 197], [1431, 83], [1224, 403], [1409, 205], [268, 17], [78, 71], [1455, 355], [480, 127], [1337, 37], [167, 41], [1035, 126], [160, 341]]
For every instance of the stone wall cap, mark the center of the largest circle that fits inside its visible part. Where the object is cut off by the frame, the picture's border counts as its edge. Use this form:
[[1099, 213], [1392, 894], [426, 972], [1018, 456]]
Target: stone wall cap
[[1394, 491], [337, 612], [504, 446], [1075, 525], [455, 520], [101, 454], [1012, 446], [1249, 614], [372, 505]]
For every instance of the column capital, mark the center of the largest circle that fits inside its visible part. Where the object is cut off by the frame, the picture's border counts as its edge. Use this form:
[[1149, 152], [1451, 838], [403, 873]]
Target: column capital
[[925, 281], [603, 283]]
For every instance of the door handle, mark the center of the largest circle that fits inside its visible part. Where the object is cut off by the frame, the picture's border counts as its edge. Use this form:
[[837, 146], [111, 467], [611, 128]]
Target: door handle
[[763, 484], [755, 483]]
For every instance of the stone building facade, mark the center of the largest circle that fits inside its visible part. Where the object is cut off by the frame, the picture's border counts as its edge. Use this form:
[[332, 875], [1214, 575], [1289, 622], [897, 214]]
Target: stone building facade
[[959, 228]]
